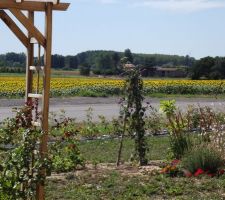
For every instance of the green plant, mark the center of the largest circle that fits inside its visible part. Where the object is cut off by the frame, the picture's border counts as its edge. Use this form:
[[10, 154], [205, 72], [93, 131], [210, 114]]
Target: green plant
[[104, 126], [180, 141], [133, 113], [89, 128], [21, 167], [203, 157], [65, 152], [154, 121]]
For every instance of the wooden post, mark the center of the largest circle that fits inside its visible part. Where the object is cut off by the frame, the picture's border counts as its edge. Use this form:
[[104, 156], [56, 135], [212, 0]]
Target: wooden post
[[30, 62], [16, 8], [46, 91]]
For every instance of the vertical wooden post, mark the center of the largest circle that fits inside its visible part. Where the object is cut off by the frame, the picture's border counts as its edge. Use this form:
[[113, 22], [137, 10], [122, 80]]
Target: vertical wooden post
[[46, 90], [30, 62]]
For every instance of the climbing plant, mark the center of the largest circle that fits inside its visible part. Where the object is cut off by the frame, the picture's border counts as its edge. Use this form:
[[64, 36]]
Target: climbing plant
[[133, 113]]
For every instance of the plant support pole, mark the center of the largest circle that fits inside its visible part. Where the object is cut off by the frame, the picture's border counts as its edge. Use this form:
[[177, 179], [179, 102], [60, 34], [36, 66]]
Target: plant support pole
[[46, 91]]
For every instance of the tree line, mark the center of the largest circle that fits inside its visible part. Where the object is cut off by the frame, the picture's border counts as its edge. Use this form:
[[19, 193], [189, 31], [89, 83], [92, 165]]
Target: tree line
[[209, 68], [109, 63], [99, 62]]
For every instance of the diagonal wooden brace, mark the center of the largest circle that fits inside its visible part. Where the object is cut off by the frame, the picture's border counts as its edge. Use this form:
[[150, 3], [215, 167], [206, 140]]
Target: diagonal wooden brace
[[14, 28], [29, 26]]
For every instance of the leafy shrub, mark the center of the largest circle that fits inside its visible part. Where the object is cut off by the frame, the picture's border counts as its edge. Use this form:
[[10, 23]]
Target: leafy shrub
[[65, 154], [203, 157], [180, 145], [21, 164], [154, 121], [180, 141], [64, 151]]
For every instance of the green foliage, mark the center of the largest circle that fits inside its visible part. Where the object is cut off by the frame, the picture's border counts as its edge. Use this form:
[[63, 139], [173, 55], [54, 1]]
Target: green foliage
[[154, 121], [180, 141], [203, 157], [64, 152], [113, 185], [105, 151], [85, 69], [21, 166], [179, 146], [58, 61], [101, 62], [133, 112], [65, 155], [89, 129], [168, 107], [128, 55], [209, 68]]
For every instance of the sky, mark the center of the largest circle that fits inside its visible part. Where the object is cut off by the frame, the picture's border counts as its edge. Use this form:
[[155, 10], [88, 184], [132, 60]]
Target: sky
[[181, 27]]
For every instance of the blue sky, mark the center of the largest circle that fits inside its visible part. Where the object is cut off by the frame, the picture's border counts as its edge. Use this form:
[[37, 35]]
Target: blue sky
[[194, 27]]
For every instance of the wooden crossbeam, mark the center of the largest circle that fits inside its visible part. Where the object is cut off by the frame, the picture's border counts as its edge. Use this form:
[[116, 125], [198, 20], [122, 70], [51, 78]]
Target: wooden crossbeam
[[45, 1], [14, 28], [31, 6], [29, 26]]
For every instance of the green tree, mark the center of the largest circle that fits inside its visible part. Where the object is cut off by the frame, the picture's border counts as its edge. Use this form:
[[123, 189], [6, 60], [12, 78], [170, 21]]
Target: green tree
[[85, 69], [129, 55], [203, 68], [58, 61]]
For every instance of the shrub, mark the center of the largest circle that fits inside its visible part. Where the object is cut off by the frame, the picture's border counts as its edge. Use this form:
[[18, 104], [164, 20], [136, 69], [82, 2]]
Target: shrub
[[64, 151], [21, 164], [203, 157], [180, 141], [180, 145]]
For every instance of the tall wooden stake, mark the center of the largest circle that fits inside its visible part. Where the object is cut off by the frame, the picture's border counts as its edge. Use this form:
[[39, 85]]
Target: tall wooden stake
[[30, 62], [46, 91]]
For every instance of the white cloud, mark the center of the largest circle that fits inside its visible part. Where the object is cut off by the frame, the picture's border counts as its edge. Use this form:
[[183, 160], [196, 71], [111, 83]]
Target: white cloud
[[181, 5]]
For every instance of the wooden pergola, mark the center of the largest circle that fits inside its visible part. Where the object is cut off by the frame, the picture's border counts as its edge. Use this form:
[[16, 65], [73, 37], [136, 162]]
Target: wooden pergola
[[33, 36]]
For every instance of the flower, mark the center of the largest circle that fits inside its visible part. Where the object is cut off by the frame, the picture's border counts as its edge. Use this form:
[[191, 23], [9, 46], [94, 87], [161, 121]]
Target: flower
[[221, 171], [175, 162], [210, 175], [199, 172]]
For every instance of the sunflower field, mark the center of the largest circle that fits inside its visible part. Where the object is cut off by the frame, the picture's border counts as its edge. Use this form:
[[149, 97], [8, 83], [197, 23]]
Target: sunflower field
[[15, 87]]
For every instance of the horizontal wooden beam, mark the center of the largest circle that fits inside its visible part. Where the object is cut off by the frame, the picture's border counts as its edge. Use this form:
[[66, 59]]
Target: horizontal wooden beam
[[14, 28], [29, 26], [45, 1], [31, 6]]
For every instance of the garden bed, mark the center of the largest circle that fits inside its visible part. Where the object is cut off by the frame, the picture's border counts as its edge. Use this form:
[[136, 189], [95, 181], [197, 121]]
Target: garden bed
[[105, 181]]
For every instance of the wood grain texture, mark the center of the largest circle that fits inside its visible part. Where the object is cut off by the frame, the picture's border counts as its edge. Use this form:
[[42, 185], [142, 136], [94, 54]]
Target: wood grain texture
[[31, 6]]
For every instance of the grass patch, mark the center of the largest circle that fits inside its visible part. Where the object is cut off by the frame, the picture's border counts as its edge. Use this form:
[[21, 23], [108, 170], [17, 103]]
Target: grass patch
[[113, 185], [106, 151]]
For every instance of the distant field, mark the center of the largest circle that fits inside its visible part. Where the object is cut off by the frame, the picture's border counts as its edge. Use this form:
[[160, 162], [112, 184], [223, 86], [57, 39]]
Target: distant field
[[14, 86], [65, 73]]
